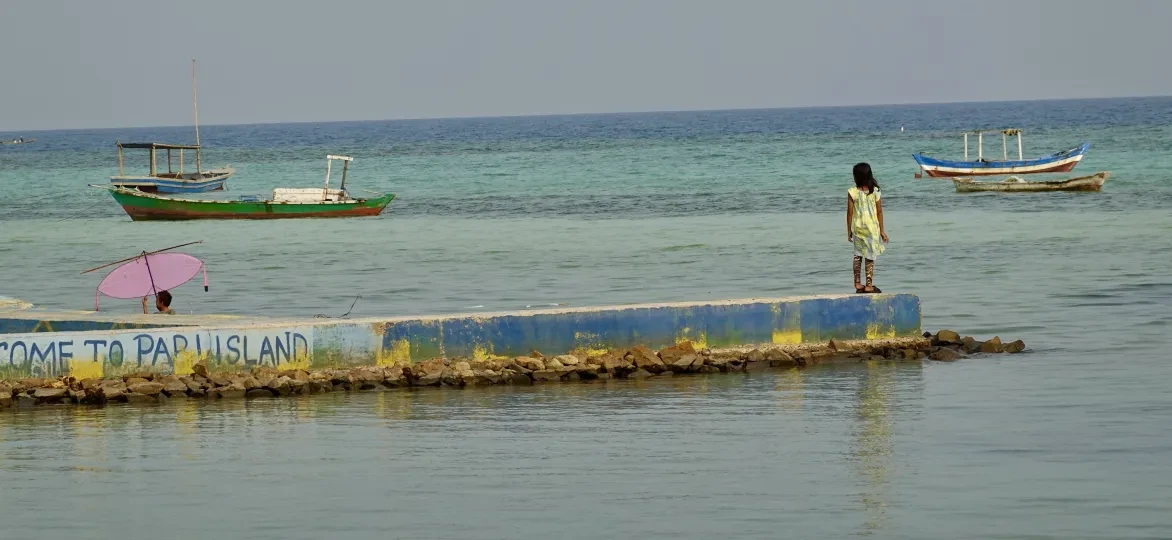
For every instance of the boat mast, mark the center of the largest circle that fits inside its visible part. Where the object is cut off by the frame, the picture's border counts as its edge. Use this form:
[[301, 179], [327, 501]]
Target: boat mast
[[966, 146], [325, 192], [1004, 147], [195, 106]]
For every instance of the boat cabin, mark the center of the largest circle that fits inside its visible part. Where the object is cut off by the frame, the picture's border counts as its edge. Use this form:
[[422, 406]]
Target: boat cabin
[[172, 172], [308, 195], [1005, 135], [322, 194]]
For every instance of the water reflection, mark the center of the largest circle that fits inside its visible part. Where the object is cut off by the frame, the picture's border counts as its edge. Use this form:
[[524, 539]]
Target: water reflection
[[700, 445], [790, 390], [873, 441]]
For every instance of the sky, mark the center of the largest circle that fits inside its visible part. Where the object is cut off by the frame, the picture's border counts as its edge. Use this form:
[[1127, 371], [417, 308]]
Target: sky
[[123, 63]]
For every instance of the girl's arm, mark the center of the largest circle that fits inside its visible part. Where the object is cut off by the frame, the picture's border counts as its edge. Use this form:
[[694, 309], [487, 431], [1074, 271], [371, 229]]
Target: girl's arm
[[850, 218], [879, 213]]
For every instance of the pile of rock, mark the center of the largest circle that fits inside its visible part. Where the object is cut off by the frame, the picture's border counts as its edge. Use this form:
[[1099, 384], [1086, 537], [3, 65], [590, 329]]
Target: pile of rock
[[636, 363], [948, 346], [148, 387]]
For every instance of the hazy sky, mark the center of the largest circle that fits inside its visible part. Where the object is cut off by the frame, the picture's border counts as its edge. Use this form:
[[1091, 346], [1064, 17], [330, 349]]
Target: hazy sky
[[112, 63]]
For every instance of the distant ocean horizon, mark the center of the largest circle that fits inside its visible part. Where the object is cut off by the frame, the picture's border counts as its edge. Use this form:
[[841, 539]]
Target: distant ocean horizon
[[4, 132]]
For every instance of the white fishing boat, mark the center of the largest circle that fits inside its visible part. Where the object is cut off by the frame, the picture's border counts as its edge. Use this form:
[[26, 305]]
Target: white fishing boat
[[1063, 161]]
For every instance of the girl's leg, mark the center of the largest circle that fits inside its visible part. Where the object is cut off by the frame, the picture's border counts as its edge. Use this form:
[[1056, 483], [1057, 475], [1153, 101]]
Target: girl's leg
[[858, 272], [870, 276]]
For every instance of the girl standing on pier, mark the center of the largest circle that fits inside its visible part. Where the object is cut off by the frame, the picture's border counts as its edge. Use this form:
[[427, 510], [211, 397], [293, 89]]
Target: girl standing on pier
[[864, 224]]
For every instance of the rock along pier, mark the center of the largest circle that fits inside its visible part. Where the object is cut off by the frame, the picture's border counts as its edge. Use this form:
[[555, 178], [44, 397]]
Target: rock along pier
[[50, 358]]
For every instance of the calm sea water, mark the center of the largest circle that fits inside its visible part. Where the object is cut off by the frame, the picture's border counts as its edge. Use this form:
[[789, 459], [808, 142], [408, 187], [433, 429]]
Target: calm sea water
[[1069, 441]]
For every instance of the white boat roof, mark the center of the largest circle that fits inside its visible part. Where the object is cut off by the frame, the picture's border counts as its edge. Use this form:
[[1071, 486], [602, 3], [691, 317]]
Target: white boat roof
[[1007, 131]]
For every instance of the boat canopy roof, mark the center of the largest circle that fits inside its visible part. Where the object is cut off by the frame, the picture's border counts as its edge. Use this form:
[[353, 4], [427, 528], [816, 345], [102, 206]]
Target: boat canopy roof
[[1008, 131], [159, 146]]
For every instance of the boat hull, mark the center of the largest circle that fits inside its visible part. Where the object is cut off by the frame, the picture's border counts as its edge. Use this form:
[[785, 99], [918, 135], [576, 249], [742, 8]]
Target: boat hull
[[211, 181], [1084, 183], [142, 207], [1054, 163]]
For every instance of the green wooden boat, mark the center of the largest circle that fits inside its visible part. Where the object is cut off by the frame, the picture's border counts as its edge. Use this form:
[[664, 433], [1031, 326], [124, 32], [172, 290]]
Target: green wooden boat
[[285, 203]]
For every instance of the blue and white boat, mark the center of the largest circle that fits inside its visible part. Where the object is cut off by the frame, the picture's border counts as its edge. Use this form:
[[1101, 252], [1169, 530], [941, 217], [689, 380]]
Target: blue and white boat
[[1064, 161], [172, 181]]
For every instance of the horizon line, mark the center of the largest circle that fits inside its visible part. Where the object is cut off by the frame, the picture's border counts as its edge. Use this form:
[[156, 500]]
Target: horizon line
[[551, 115]]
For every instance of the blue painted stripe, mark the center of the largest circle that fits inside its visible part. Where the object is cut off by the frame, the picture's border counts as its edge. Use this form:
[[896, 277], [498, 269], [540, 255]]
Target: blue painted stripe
[[14, 325], [191, 189], [814, 319], [172, 186]]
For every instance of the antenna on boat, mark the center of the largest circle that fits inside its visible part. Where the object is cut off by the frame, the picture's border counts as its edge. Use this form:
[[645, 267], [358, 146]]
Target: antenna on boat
[[195, 106]]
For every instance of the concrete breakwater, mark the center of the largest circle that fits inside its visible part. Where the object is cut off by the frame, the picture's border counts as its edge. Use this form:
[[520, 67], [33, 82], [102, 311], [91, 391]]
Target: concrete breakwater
[[96, 358], [86, 346], [639, 362]]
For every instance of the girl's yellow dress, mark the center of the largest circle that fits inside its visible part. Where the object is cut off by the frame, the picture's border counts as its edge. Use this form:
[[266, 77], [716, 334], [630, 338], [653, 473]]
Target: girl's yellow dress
[[865, 226]]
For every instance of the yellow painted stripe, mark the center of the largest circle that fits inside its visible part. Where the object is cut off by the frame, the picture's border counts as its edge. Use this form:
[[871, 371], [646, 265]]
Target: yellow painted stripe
[[480, 352], [399, 355], [880, 331], [85, 370], [184, 360], [787, 337], [699, 340], [589, 343]]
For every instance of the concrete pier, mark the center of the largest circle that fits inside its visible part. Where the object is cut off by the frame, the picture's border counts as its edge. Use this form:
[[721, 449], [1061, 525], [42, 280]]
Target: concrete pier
[[89, 345]]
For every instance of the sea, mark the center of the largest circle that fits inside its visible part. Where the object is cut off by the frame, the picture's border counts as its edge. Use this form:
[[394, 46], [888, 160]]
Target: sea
[[1068, 440]]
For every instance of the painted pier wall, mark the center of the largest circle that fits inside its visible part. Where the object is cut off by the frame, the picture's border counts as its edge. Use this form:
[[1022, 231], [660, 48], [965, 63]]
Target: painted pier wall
[[342, 343], [12, 324], [22, 321]]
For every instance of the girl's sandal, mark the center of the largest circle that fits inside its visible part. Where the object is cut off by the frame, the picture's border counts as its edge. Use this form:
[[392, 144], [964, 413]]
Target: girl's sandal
[[874, 290]]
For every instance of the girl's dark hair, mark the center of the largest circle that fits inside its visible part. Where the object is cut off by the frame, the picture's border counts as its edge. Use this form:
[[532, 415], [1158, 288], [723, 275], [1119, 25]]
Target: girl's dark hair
[[864, 178]]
